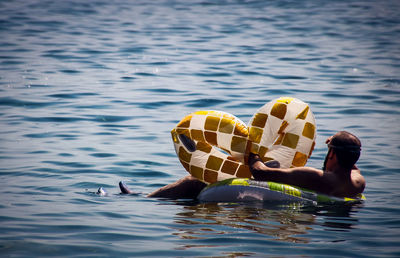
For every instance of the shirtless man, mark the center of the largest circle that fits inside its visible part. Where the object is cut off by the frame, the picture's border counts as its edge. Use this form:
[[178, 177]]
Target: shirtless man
[[339, 176]]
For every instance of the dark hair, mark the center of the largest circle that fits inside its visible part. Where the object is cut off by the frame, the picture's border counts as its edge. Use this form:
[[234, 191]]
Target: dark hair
[[347, 148]]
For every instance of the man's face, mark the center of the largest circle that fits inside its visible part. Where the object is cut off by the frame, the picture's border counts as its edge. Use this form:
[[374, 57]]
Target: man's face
[[326, 159]]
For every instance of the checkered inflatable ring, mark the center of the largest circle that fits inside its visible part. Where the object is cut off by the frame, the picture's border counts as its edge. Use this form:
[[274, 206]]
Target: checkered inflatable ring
[[214, 145]]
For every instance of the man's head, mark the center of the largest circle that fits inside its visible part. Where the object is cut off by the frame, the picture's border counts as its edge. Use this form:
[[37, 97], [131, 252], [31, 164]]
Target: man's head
[[346, 147]]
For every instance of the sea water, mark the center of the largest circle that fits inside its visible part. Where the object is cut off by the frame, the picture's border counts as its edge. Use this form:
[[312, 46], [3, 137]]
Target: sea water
[[89, 91]]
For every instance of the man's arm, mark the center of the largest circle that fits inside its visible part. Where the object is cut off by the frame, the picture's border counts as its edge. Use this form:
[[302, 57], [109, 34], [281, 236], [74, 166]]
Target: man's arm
[[305, 177], [185, 188]]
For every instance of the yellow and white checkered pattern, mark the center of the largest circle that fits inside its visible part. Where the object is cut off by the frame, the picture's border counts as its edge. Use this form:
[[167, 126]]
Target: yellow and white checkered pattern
[[283, 129]]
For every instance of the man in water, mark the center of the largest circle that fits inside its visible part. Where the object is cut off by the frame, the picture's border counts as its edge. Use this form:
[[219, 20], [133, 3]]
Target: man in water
[[339, 176]]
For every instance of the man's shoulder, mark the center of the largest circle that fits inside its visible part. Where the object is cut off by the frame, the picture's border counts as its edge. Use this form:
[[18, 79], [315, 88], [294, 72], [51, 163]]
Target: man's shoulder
[[358, 180]]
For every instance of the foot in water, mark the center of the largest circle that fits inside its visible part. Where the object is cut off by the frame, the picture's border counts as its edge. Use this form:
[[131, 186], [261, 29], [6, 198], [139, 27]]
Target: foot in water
[[102, 192], [124, 188]]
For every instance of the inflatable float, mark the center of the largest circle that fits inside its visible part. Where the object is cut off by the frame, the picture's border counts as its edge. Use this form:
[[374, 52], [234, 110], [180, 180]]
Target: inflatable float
[[213, 146], [246, 190]]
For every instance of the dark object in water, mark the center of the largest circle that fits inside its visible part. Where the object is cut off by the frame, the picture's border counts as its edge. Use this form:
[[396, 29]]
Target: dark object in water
[[124, 188]]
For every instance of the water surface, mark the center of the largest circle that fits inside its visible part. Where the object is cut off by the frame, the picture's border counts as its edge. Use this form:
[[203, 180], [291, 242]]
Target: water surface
[[90, 90]]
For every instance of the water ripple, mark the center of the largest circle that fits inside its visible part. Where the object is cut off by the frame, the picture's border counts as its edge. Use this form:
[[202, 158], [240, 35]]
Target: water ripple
[[6, 101], [205, 103], [70, 164]]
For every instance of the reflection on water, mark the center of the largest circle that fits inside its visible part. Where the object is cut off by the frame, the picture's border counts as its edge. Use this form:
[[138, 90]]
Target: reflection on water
[[261, 221]]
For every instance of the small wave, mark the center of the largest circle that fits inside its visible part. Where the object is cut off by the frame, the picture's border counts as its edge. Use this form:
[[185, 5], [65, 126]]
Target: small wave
[[145, 74], [109, 118], [102, 155], [57, 119], [69, 164], [286, 77], [72, 95], [70, 71], [213, 74], [157, 104], [7, 101], [203, 103]]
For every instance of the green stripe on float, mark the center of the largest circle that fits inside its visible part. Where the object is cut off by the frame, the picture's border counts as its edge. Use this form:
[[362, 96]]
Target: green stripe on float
[[287, 189], [231, 181], [357, 198], [324, 198], [240, 181]]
